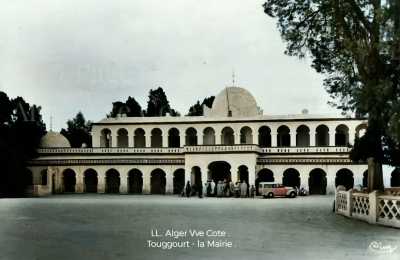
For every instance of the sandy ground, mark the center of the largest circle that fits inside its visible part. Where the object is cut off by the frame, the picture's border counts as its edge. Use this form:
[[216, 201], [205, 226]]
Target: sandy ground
[[119, 227]]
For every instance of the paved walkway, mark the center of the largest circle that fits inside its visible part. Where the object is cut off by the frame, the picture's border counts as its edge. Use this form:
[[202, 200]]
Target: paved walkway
[[119, 227]]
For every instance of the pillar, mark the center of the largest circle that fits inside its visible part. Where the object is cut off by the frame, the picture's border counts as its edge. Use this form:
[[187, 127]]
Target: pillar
[[274, 139], [131, 140], [330, 181], [123, 187], [312, 137], [293, 134], [165, 139], [218, 137], [182, 139], [169, 186], [255, 137], [199, 138], [101, 183], [114, 140], [148, 139], [332, 133], [237, 137], [352, 134], [79, 186], [146, 182], [252, 175]]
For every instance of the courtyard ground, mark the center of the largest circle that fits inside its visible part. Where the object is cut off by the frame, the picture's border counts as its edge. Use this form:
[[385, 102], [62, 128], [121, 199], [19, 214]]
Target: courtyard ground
[[119, 227]]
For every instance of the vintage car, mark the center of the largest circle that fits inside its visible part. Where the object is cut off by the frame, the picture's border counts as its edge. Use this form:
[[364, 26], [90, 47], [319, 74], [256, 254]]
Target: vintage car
[[274, 189]]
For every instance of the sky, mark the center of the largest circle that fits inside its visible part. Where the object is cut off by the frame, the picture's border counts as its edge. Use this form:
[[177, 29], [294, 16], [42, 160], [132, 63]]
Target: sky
[[82, 55]]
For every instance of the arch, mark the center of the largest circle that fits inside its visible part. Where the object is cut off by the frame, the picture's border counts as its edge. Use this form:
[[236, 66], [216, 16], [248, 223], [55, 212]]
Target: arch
[[122, 138], [303, 136], [264, 175], [283, 136], [227, 136], [341, 135], [69, 180], [179, 181], [209, 136], [196, 177], [156, 138], [140, 139], [264, 136], [43, 177], [395, 178], [157, 181], [322, 135], [113, 181], [219, 171], [90, 179], [361, 129], [291, 178], [191, 136], [105, 138], [317, 182], [243, 174], [246, 135], [135, 181], [345, 178], [174, 138]]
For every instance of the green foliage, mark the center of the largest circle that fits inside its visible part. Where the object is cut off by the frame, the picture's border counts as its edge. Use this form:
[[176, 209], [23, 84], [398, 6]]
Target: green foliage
[[356, 45], [131, 108], [78, 131], [21, 128], [197, 109], [158, 104]]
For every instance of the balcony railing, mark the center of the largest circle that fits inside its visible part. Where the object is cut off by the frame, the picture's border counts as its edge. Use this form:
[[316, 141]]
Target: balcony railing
[[196, 149]]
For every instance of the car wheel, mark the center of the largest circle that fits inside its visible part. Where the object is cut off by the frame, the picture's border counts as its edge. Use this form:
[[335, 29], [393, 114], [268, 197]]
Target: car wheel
[[270, 195], [292, 194]]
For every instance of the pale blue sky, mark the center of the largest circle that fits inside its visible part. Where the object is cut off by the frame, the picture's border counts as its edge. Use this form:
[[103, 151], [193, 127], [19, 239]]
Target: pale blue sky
[[82, 55]]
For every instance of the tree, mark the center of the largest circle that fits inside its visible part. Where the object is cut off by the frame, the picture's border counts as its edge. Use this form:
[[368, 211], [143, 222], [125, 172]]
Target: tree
[[197, 109], [356, 45], [158, 104], [131, 108], [78, 131], [21, 129]]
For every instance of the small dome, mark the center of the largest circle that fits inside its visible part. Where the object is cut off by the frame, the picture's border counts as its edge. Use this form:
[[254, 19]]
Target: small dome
[[234, 102], [54, 140]]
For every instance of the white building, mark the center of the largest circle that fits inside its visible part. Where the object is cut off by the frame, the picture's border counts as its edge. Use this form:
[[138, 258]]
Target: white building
[[234, 140]]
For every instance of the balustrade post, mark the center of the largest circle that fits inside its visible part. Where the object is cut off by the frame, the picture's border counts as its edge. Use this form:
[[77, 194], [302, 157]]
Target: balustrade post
[[373, 200], [349, 201]]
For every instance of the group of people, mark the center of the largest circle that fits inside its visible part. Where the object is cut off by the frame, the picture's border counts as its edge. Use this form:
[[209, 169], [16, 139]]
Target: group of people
[[220, 189]]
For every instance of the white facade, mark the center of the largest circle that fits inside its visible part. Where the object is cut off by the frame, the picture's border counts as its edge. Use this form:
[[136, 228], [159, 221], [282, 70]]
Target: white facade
[[233, 141]]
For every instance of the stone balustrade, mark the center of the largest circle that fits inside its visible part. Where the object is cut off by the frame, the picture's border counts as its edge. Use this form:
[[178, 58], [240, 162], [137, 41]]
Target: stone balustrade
[[373, 208], [196, 149]]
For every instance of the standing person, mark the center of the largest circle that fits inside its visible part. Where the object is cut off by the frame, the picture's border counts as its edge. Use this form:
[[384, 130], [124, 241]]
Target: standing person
[[212, 186], [188, 189], [243, 189], [231, 189], [206, 194], [226, 188], [237, 189], [252, 191], [220, 189]]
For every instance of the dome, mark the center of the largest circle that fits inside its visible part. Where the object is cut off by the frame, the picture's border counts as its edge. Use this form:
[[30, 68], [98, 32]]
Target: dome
[[239, 101], [54, 140]]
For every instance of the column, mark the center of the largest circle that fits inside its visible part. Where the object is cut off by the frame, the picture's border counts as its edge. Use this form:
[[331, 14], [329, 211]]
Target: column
[[252, 176], [148, 139], [165, 140], [274, 139], [330, 181], [352, 134], [123, 187], [332, 133], [169, 186], [312, 137], [218, 137], [79, 187], [182, 139], [255, 137], [293, 133], [146, 182], [237, 137], [101, 183], [199, 137], [131, 139], [114, 140]]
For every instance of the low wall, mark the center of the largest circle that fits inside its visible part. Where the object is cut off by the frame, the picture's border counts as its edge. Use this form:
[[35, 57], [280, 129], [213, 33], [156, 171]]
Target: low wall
[[38, 190], [374, 208]]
